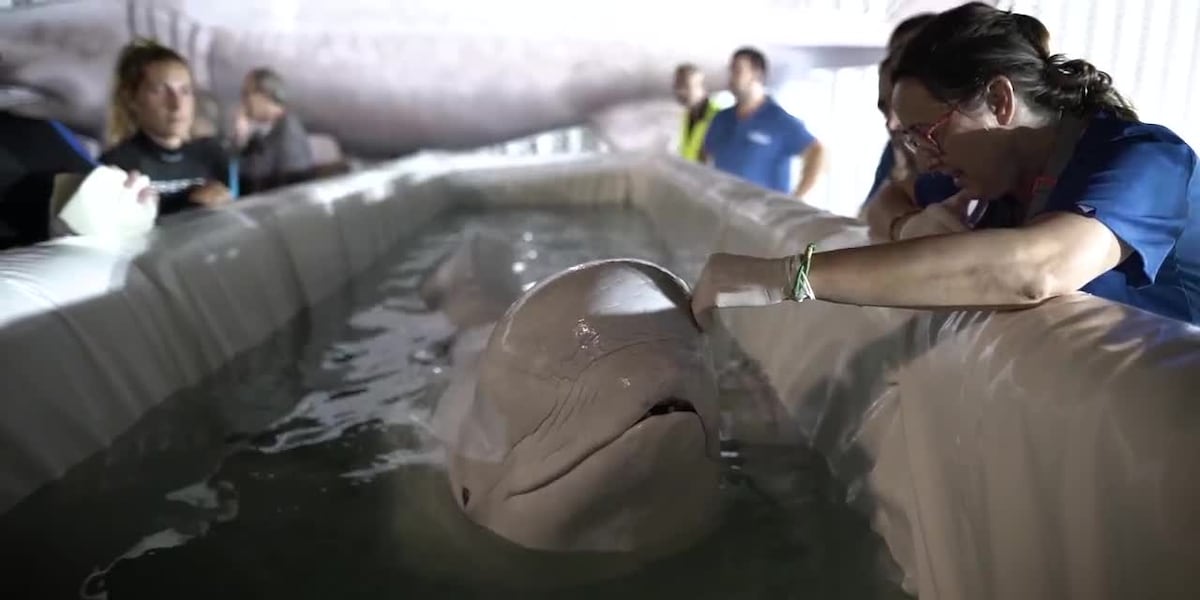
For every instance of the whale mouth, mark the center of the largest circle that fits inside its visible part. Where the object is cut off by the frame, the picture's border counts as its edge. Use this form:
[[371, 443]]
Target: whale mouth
[[668, 406], [661, 408]]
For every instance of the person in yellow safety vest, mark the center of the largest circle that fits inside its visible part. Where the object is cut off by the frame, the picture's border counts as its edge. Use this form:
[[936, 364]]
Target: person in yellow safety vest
[[692, 95]]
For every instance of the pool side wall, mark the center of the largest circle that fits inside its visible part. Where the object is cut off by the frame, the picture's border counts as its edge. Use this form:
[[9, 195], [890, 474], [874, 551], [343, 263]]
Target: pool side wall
[[1046, 453]]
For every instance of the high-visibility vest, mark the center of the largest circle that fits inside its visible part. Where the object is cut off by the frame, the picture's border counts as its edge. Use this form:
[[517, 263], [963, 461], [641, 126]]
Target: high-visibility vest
[[692, 142]]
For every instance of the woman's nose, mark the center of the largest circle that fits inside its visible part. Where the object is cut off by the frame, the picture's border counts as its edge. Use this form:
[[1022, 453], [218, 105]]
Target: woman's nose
[[892, 123]]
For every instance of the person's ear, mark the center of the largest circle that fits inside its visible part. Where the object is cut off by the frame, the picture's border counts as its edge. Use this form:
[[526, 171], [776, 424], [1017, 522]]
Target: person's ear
[[1001, 100]]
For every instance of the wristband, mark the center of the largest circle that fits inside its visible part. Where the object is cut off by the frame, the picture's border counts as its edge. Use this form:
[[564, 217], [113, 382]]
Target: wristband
[[801, 288]]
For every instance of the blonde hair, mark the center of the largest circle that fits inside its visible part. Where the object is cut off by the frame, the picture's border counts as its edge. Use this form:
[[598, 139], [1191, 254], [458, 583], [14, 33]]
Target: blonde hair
[[127, 78]]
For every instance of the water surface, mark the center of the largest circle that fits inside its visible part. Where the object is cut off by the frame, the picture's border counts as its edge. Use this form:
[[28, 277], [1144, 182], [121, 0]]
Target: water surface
[[304, 469]]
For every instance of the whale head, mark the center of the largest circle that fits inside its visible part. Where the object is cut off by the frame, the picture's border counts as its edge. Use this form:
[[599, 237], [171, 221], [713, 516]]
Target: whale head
[[592, 423]]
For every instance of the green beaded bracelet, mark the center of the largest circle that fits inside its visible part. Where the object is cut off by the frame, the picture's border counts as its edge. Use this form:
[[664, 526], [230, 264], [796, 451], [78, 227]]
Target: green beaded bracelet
[[802, 290]]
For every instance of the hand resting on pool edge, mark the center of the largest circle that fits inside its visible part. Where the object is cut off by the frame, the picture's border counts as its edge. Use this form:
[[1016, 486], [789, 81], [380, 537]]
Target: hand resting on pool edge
[[585, 420]]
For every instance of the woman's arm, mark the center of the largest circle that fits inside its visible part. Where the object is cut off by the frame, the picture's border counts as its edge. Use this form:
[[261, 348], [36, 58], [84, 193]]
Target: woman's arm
[[1003, 268], [813, 160], [893, 201], [1123, 207]]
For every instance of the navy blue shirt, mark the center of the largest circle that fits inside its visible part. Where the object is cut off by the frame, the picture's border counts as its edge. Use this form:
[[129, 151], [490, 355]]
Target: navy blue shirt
[[760, 147], [1142, 182], [929, 187]]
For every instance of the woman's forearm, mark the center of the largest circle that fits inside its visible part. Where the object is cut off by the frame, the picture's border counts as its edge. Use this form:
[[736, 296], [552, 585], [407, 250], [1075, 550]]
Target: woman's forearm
[[984, 269], [993, 269]]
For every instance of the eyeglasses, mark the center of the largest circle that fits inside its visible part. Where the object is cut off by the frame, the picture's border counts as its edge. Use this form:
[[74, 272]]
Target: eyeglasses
[[919, 138]]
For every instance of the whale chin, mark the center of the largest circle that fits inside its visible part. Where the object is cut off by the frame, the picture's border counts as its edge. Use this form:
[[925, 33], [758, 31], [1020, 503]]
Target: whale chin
[[660, 493]]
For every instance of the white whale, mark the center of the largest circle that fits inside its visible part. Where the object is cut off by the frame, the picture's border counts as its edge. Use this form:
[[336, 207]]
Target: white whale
[[585, 419]]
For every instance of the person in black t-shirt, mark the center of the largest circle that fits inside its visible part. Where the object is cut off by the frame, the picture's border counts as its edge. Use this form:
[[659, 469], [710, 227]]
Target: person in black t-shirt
[[186, 177], [150, 121]]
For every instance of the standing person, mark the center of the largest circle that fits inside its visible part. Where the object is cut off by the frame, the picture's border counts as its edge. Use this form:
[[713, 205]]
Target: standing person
[[699, 109], [756, 139], [151, 113], [278, 151], [1081, 194]]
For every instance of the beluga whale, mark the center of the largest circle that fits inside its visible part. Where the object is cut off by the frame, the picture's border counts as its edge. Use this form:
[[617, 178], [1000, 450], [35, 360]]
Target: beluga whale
[[585, 418]]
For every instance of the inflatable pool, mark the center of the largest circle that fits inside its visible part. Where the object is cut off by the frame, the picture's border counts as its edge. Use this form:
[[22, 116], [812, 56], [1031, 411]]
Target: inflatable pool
[[1048, 453]]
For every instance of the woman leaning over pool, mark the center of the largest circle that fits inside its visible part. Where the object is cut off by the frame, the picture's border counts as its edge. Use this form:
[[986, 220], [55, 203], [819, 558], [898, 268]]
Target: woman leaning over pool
[[1080, 194]]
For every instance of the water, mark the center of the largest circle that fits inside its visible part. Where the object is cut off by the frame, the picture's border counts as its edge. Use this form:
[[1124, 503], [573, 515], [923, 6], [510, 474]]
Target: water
[[304, 469]]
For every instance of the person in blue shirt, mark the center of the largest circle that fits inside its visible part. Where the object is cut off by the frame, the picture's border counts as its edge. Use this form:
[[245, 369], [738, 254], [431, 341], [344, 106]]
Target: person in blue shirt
[[888, 162], [756, 139], [905, 202], [1080, 194], [899, 189]]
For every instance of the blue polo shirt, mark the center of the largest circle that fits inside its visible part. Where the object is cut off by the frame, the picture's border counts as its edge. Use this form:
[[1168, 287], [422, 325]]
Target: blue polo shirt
[[929, 187], [760, 147], [1142, 182]]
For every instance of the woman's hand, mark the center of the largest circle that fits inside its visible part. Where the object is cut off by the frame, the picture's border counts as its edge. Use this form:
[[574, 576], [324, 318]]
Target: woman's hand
[[211, 195], [147, 193], [731, 280], [241, 127], [947, 216]]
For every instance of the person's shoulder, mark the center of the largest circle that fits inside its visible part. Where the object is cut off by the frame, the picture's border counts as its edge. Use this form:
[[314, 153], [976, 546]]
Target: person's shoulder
[[774, 109], [1130, 135], [724, 114], [784, 118], [206, 146], [721, 122], [121, 155], [1123, 158], [205, 143]]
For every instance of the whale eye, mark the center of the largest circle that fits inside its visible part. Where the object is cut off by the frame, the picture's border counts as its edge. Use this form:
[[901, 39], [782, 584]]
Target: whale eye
[[466, 497]]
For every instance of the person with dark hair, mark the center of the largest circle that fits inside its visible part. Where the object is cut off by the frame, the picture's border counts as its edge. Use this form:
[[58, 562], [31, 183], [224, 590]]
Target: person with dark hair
[[756, 139], [899, 187], [1079, 194], [278, 152], [151, 113], [901, 190], [693, 96]]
